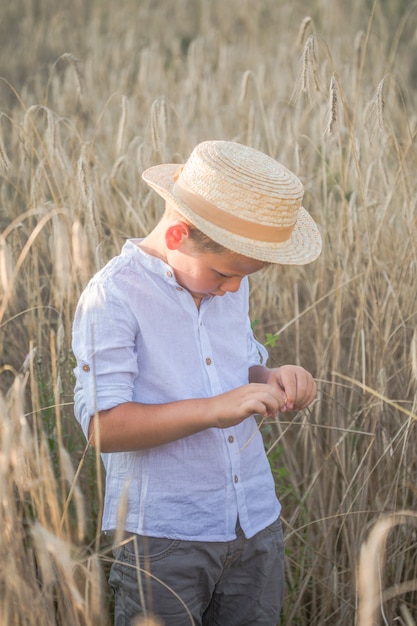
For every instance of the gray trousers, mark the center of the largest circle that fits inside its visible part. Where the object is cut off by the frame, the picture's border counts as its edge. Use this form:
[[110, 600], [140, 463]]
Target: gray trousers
[[193, 583]]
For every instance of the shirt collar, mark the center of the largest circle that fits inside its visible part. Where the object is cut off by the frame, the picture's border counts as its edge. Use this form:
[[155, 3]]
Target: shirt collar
[[150, 262]]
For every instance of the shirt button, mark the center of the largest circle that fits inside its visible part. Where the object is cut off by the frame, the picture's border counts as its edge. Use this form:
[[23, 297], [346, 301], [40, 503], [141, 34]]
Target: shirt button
[[236, 479], [179, 288], [86, 368], [169, 274], [230, 439], [208, 361]]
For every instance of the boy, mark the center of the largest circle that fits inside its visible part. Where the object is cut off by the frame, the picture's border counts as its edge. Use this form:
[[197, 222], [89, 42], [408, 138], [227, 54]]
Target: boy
[[169, 377]]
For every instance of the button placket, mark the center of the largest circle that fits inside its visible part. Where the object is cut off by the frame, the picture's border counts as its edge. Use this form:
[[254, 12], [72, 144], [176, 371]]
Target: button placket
[[234, 455], [207, 360]]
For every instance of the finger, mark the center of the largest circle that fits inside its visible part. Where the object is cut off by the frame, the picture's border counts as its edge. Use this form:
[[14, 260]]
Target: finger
[[273, 402], [300, 389], [307, 396], [291, 392]]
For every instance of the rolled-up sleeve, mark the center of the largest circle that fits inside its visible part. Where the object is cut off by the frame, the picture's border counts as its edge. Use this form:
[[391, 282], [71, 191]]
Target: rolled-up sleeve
[[257, 353], [104, 335]]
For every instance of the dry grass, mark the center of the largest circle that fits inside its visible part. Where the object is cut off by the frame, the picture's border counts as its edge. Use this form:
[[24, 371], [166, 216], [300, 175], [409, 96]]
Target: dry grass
[[90, 97]]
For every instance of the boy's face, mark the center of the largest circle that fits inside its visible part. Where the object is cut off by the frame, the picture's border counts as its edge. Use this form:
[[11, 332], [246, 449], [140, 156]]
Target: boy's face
[[208, 273]]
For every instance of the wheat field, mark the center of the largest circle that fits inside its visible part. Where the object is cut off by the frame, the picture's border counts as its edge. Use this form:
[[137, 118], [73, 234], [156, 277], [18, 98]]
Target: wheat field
[[92, 93]]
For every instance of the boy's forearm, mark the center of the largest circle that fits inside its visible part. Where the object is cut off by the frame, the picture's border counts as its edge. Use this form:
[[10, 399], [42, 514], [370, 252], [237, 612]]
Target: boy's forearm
[[133, 426]]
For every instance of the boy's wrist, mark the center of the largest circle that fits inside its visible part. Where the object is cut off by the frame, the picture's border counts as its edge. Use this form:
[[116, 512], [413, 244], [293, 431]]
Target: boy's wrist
[[259, 374], [211, 413]]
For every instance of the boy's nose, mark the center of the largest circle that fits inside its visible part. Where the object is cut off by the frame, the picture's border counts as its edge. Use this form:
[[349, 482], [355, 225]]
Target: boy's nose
[[231, 284]]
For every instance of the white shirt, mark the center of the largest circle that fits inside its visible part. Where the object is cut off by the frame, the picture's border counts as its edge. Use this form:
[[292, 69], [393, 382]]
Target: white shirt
[[138, 336]]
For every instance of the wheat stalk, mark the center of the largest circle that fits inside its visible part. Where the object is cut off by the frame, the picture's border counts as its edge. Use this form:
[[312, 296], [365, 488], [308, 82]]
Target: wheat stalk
[[371, 564], [332, 106], [302, 31]]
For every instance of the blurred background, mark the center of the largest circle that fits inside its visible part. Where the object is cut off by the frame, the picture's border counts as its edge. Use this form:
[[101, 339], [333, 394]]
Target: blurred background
[[92, 93]]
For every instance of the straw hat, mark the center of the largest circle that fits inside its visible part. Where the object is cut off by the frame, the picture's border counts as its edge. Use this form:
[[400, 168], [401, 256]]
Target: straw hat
[[242, 199]]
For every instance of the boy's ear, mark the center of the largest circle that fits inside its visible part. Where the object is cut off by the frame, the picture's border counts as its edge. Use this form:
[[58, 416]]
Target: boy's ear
[[176, 233]]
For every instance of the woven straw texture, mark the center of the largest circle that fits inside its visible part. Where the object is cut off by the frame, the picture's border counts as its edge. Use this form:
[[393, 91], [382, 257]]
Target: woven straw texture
[[248, 185]]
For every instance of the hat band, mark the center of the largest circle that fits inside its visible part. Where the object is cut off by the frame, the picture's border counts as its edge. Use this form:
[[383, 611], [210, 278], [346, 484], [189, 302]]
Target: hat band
[[231, 223]]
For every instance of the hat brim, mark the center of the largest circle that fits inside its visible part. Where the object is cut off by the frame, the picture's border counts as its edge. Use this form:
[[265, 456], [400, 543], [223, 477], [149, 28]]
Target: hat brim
[[304, 245]]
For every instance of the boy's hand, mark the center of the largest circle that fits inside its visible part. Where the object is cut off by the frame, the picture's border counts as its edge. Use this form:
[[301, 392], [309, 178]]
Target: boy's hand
[[232, 407], [297, 385]]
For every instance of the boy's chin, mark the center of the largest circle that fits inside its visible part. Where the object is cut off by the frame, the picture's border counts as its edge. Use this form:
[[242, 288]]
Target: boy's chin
[[207, 294]]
